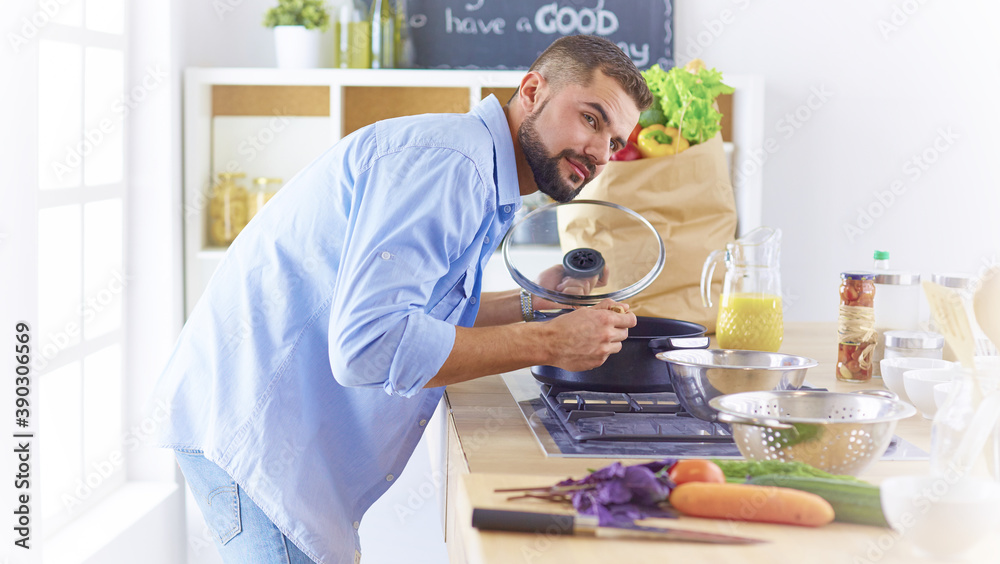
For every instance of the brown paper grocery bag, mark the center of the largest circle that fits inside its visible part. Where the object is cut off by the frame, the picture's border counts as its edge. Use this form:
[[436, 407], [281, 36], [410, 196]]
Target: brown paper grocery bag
[[689, 199]]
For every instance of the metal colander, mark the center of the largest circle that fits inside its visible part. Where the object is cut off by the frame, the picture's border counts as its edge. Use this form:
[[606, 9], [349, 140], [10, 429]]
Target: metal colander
[[841, 433]]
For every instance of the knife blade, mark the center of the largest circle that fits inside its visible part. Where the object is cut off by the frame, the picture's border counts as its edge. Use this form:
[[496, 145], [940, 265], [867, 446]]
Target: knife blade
[[583, 525]]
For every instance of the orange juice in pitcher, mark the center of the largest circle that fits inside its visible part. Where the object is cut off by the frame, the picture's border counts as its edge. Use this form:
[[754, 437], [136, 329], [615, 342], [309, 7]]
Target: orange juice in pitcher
[[750, 321], [750, 315]]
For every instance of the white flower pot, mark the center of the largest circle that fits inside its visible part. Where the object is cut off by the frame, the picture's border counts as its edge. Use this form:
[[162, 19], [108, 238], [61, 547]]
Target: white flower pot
[[297, 47]]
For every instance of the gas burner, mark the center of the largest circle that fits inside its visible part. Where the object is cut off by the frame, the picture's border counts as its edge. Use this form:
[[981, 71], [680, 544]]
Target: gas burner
[[601, 416]]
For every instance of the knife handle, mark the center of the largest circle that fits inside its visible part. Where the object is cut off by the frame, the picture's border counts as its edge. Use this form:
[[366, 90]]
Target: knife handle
[[522, 521]]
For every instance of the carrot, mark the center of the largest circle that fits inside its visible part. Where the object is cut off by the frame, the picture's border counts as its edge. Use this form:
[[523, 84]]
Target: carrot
[[744, 502]]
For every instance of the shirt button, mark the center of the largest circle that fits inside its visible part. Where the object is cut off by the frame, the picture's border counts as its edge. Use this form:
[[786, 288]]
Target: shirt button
[[423, 422], [472, 300], [357, 524], [389, 478], [486, 239], [506, 209], [386, 255]]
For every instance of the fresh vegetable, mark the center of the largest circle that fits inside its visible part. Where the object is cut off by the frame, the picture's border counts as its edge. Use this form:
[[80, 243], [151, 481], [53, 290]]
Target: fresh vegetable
[[741, 470], [744, 502], [653, 115], [629, 153], [687, 99], [657, 141], [852, 502], [634, 136], [696, 470], [616, 494]]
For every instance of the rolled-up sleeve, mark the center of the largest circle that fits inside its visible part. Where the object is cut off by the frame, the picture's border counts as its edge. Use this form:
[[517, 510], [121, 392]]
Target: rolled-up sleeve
[[414, 215]]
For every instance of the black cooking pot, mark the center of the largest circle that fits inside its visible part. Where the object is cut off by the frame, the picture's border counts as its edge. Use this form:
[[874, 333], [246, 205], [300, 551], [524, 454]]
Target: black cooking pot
[[635, 369]]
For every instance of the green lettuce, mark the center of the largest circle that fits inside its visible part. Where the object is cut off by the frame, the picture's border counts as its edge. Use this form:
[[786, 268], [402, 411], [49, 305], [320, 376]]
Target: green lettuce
[[686, 99]]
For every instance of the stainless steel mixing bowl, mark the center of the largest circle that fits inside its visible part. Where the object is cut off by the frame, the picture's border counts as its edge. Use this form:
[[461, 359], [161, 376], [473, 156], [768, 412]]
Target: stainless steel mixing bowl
[[698, 376], [841, 433]]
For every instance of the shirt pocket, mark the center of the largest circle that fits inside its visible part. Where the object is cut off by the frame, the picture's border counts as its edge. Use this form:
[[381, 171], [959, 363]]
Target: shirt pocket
[[452, 305]]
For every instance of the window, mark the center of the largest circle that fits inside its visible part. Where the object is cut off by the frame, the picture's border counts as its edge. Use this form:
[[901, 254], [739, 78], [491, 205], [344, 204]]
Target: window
[[82, 277]]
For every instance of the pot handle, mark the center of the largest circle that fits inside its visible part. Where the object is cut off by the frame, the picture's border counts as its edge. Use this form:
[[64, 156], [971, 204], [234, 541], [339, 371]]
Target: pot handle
[[755, 421], [663, 344]]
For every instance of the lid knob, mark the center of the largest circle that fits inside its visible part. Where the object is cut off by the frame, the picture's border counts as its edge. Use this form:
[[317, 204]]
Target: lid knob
[[583, 263]]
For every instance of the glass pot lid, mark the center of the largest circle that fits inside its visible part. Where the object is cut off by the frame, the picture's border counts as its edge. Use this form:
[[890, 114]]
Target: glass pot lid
[[583, 239]]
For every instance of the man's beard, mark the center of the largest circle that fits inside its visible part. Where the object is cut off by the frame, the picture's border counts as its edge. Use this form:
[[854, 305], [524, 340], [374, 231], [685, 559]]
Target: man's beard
[[545, 169]]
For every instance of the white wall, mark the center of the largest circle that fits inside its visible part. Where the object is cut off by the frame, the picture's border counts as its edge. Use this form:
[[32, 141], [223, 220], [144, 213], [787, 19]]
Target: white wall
[[889, 95]]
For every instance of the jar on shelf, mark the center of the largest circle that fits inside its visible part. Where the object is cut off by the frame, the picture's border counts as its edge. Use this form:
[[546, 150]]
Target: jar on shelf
[[913, 344], [856, 327], [263, 190], [227, 208]]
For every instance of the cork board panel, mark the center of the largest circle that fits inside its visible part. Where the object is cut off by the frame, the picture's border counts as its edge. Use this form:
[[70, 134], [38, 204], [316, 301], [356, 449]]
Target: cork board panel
[[502, 93], [364, 105], [261, 100]]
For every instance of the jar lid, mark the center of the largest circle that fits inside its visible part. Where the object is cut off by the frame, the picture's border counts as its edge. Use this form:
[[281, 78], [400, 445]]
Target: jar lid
[[954, 280], [857, 275], [586, 235], [881, 255], [897, 278], [914, 339]]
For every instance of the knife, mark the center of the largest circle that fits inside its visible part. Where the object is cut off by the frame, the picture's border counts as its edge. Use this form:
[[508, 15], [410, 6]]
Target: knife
[[585, 525]]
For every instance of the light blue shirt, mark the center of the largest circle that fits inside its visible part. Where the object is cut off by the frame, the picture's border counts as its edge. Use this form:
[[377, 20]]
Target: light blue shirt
[[301, 370]]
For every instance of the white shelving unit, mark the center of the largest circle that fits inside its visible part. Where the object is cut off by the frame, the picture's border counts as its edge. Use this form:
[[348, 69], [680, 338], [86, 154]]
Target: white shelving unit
[[217, 133]]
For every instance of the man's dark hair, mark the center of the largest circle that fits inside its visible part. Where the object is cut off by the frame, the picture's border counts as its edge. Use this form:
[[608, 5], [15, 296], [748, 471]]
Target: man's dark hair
[[574, 58]]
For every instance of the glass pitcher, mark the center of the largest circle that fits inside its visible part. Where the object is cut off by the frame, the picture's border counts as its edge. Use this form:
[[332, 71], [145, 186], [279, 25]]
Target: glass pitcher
[[750, 315]]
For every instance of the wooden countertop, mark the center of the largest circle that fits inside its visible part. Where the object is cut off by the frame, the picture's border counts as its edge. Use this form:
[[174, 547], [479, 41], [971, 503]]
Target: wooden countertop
[[490, 446]]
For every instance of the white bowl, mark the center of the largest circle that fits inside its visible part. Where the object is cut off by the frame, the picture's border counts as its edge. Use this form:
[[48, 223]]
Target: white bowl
[[919, 386], [941, 393], [943, 517], [893, 368]]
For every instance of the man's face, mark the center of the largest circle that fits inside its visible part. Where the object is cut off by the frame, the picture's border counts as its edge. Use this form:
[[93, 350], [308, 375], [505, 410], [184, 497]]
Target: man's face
[[568, 142]]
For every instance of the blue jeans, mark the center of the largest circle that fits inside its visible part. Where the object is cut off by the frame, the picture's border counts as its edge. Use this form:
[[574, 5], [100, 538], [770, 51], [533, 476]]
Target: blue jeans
[[243, 534]]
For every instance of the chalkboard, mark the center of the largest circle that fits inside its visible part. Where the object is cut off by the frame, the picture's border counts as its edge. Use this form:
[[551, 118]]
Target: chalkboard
[[510, 34]]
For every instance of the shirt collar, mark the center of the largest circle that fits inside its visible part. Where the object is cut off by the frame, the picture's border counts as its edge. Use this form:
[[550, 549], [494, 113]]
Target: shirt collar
[[492, 114]]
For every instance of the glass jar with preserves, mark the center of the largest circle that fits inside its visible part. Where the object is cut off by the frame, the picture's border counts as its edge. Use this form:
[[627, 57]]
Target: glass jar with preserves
[[227, 208], [263, 190], [856, 327]]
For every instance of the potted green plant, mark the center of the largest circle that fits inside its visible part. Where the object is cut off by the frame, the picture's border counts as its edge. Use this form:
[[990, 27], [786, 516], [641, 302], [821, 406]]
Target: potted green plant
[[298, 26]]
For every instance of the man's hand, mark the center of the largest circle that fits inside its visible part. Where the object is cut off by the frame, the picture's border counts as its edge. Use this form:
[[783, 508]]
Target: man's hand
[[583, 339]]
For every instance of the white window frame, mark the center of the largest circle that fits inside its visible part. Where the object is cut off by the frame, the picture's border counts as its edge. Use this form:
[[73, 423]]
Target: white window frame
[[89, 495]]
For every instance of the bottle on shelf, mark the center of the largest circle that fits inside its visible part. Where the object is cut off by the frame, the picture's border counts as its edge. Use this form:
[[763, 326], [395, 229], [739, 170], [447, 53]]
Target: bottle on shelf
[[359, 36], [383, 25], [881, 260], [403, 40], [340, 14]]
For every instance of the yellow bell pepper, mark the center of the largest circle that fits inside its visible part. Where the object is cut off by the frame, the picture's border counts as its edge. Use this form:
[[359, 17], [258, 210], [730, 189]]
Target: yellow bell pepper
[[658, 140]]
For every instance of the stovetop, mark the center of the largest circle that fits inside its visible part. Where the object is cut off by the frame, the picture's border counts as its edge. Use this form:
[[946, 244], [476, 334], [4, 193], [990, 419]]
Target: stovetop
[[601, 425]]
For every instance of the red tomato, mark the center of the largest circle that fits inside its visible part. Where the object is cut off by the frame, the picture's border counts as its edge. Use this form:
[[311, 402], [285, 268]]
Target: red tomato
[[634, 136], [696, 470]]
